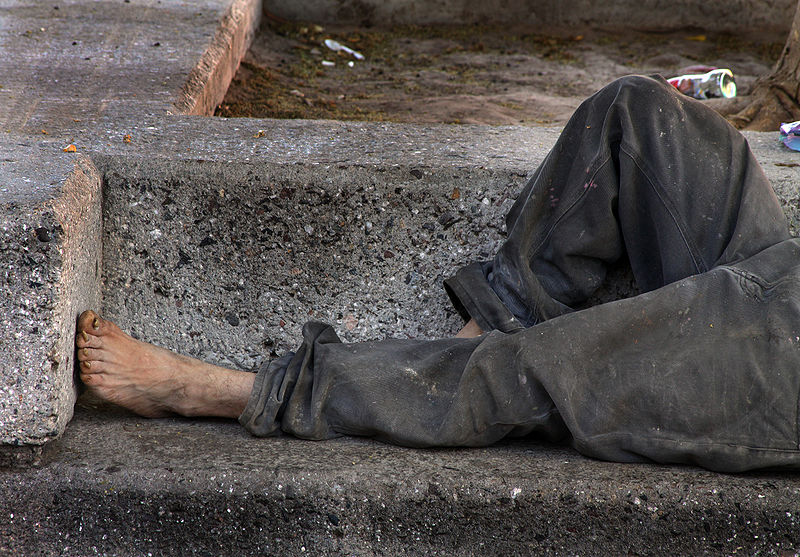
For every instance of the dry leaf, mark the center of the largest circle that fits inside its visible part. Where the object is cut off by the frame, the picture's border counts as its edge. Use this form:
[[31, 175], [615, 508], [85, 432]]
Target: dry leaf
[[70, 148], [456, 194]]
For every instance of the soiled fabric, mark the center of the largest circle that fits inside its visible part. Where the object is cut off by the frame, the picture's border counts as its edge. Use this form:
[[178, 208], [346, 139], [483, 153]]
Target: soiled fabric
[[702, 368]]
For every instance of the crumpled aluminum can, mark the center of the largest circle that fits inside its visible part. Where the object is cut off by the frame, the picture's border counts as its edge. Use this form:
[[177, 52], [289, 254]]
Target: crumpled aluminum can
[[718, 82]]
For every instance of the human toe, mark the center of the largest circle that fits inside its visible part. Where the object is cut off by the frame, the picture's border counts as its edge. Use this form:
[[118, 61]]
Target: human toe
[[86, 340], [91, 377], [87, 354], [90, 366], [91, 323]]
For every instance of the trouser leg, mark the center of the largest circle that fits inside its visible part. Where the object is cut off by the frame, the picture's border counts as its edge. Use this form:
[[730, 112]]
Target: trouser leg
[[704, 371], [639, 171]]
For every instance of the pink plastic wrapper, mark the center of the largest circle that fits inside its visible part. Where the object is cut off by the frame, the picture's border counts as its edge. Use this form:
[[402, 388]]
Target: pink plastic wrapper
[[790, 135]]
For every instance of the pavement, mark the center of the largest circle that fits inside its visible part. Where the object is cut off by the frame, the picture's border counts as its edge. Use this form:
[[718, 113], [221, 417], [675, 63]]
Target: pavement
[[158, 198]]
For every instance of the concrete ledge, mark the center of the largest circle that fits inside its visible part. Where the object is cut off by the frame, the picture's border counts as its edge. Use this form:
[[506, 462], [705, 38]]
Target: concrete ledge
[[223, 256], [221, 247], [720, 15]]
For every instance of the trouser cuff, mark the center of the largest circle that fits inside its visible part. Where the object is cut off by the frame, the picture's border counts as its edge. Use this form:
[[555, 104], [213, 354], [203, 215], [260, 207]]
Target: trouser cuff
[[474, 298], [262, 414]]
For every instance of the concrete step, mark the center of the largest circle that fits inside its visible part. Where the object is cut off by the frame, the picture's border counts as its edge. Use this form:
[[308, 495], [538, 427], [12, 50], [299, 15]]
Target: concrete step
[[224, 250], [119, 485]]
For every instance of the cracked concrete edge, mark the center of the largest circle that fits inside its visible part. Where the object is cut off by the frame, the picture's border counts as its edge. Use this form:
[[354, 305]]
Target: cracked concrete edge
[[207, 83], [60, 242]]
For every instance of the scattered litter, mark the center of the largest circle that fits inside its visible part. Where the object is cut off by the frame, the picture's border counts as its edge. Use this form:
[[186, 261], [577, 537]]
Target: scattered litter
[[314, 29], [259, 133], [790, 135], [70, 148], [296, 93], [351, 63], [127, 138], [339, 47], [328, 63], [718, 82]]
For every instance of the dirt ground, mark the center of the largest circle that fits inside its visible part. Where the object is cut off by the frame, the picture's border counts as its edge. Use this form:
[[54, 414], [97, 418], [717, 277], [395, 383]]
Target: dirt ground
[[479, 75]]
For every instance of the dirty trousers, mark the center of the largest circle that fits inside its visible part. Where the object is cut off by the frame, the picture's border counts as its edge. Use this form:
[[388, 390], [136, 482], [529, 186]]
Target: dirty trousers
[[703, 367]]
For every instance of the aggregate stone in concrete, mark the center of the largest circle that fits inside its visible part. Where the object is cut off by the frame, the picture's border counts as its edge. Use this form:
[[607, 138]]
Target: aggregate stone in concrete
[[546, 14], [227, 261], [116, 484], [50, 248]]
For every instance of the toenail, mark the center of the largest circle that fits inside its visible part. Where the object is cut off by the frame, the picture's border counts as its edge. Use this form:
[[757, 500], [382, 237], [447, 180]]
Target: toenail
[[85, 352], [84, 336], [96, 323], [87, 364]]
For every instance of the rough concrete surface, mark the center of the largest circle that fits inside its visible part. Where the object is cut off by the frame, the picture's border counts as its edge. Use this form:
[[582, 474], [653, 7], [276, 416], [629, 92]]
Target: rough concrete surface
[[224, 259], [66, 68], [730, 15], [50, 247], [67, 63], [120, 485], [208, 81]]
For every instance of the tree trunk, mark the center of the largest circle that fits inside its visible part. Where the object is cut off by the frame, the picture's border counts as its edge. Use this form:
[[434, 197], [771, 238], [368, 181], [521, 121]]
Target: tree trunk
[[776, 97]]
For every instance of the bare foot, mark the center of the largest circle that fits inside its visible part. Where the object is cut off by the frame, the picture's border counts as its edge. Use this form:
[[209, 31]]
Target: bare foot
[[152, 381], [470, 330]]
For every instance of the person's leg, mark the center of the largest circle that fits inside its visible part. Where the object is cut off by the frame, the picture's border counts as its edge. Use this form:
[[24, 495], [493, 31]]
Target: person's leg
[[153, 381], [584, 371], [701, 371], [640, 171]]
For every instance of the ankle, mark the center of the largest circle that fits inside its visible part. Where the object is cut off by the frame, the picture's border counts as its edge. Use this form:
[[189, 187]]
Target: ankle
[[213, 392]]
